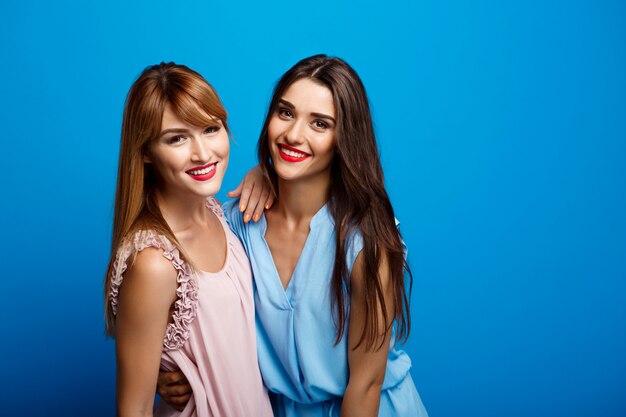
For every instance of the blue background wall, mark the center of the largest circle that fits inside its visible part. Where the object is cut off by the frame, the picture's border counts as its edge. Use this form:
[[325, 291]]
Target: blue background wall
[[503, 134]]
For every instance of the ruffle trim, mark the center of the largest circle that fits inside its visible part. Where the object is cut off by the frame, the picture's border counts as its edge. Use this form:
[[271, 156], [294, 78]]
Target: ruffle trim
[[215, 207], [185, 307]]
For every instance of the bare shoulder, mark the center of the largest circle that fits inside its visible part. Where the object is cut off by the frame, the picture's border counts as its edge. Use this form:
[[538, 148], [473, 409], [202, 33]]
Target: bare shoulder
[[151, 272], [357, 276]]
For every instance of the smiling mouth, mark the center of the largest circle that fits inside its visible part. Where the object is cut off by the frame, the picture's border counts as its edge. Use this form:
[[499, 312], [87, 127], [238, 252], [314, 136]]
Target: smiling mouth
[[203, 173], [290, 154]]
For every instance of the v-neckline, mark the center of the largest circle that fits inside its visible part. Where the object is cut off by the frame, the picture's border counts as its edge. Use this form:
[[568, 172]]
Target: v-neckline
[[288, 290]]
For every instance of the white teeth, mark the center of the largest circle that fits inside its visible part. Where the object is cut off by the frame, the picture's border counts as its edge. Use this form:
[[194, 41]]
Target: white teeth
[[293, 153], [202, 171]]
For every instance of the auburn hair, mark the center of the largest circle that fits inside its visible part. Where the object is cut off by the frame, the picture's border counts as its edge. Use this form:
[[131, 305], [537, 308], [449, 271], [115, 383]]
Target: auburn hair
[[194, 101], [358, 200]]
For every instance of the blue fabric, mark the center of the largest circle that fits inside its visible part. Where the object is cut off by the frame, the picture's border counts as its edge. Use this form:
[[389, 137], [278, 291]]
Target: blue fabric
[[303, 368]]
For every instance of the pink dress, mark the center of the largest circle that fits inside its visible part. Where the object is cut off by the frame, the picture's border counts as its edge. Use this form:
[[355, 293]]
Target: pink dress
[[211, 337]]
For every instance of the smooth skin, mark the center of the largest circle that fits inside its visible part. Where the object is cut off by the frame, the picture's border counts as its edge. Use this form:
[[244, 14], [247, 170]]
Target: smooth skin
[[305, 121], [140, 330], [148, 291], [367, 367], [255, 195]]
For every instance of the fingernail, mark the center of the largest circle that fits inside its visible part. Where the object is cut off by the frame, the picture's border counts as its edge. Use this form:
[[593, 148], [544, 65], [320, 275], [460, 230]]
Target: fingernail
[[241, 208], [256, 217], [246, 218], [267, 206]]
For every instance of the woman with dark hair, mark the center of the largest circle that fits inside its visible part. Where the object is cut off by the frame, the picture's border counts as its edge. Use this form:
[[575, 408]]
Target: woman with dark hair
[[327, 257], [178, 288]]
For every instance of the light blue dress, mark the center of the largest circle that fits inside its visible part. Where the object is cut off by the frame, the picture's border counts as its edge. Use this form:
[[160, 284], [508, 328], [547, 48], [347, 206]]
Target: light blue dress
[[305, 372]]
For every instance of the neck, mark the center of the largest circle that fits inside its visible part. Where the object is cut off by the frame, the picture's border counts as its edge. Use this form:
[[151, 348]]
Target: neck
[[182, 212], [300, 200]]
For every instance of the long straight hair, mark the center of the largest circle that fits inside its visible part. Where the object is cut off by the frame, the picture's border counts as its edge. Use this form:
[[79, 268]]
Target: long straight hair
[[358, 199], [193, 100]]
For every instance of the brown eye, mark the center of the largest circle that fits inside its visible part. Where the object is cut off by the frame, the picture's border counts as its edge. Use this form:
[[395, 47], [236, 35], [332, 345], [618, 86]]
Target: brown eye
[[285, 113], [320, 124], [211, 129], [176, 139]]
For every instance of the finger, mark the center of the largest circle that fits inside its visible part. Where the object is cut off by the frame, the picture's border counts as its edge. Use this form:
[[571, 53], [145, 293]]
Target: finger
[[174, 377], [180, 402], [252, 203], [270, 200], [173, 390], [178, 390], [236, 192], [258, 211], [246, 191], [180, 399]]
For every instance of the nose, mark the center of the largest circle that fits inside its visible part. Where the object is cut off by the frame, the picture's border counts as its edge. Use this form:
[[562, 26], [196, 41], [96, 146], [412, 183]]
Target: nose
[[199, 150], [296, 132]]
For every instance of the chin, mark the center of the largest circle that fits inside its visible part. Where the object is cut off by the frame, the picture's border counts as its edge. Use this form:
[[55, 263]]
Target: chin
[[208, 189], [287, 174]]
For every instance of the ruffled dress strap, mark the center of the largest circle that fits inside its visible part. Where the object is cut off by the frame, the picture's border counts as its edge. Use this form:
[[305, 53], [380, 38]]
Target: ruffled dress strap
[[215, 207], [186, 304]]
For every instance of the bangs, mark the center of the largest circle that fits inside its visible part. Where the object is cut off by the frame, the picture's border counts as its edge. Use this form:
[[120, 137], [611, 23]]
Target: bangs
[[199, 107]]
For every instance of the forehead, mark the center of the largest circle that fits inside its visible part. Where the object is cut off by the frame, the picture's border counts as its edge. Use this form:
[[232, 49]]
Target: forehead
[[197, 116], [310, 96], [170, 117]]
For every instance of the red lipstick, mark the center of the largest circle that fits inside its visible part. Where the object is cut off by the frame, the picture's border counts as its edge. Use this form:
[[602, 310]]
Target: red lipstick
[[291, 158], [203, 177]]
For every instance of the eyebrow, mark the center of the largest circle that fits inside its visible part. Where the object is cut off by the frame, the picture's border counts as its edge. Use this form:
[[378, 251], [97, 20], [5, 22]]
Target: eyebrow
[[173, 130], [320, 115]]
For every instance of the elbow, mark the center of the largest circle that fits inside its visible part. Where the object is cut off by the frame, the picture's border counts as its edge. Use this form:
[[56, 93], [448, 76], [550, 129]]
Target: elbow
[[368, 386], [375, 386], [121, 413], [133, 412], [362, 396]]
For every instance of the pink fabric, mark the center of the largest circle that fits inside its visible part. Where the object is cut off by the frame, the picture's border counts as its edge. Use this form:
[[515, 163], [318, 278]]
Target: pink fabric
[[212, 335]]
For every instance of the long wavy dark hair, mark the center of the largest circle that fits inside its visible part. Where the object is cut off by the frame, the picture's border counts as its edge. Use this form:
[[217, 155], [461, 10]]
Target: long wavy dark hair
[[358, 199]]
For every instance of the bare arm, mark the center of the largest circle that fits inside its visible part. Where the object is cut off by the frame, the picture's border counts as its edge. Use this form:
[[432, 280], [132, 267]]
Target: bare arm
[[367, 367], [255, 194], [146, 294]]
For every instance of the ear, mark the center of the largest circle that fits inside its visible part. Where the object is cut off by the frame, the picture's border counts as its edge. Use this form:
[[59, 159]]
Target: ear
[[146, 159]]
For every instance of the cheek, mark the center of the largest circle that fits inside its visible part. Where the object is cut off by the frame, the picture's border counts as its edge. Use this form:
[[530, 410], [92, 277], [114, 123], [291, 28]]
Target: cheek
[[273, 129], [327, 146], [171, 159], [224, 147]]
